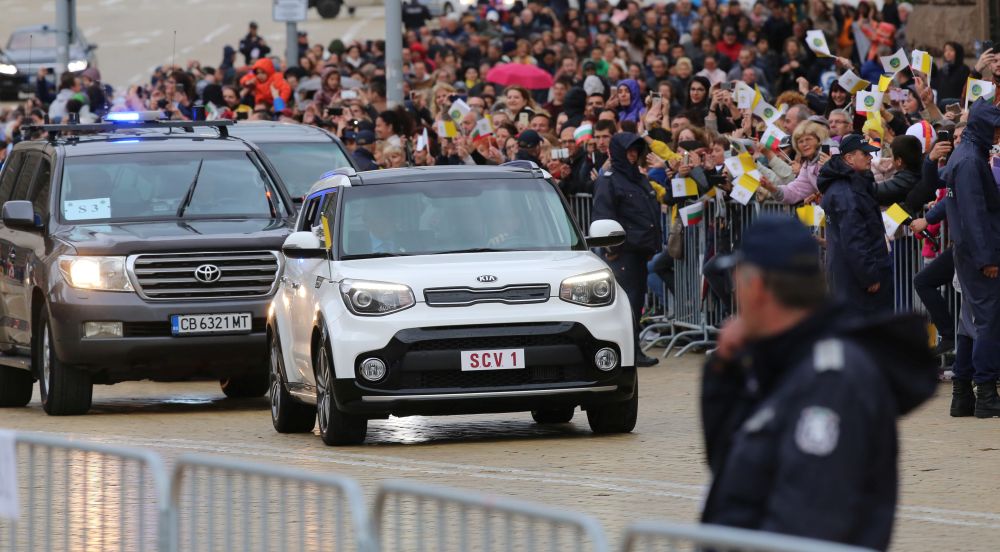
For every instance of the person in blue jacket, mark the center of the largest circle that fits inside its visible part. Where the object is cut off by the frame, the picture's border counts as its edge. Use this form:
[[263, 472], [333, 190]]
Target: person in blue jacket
[[973, 211], [858, 261], [625, 195], [800, 400]]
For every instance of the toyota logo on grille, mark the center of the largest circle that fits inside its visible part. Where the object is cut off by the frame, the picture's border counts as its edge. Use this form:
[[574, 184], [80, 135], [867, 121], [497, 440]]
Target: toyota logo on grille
[[207, 273], [486, 278]]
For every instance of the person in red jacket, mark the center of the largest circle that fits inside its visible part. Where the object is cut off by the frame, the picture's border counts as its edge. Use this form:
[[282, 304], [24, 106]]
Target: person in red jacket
[[268, 85]]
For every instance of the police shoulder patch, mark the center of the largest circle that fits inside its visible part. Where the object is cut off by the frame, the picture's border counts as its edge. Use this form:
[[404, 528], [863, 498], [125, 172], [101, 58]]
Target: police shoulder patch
[[817, 431], [828, 355]]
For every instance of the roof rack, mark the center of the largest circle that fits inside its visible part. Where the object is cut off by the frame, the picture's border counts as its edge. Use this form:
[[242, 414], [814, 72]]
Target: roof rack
[[111, 127]]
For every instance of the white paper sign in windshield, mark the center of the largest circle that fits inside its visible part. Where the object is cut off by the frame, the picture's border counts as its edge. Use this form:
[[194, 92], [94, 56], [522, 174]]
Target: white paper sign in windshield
[[87, 209]]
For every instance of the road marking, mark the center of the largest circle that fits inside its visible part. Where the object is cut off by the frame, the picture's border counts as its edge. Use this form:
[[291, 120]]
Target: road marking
[[212, 35], [657, 488], [355, 28]]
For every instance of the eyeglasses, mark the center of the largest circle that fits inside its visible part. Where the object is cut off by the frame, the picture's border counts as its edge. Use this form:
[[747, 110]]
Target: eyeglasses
[[567, 142]]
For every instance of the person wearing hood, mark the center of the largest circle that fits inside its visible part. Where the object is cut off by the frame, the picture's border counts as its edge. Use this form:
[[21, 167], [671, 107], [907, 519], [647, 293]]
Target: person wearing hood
[[973, 213], [625, 195], [858, 260], [628, 101], [950, 81], [574, 106], [269, 87], [800, 400]]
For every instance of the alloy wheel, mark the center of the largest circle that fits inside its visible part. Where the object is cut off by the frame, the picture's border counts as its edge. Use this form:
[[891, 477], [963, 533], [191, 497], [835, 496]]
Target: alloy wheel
[[323, 398]]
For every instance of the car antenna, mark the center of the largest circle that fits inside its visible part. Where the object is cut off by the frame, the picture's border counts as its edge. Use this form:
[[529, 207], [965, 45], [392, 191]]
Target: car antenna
[[173, 54]]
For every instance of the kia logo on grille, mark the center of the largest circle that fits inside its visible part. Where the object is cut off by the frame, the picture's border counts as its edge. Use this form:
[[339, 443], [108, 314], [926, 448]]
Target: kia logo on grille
[[486, 278], [207, 273]]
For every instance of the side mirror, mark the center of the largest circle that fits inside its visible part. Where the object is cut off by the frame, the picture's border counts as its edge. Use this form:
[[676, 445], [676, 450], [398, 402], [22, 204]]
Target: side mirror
[[18, 215], [605, 233], [303, 245]]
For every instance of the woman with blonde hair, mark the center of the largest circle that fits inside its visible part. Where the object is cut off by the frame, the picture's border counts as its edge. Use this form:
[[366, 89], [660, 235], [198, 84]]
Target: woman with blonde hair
[[441, 100], [393, 157], [807, 139]]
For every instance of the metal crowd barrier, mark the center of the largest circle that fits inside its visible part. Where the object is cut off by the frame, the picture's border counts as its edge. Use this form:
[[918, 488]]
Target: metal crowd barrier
[[694, 312], [416, 517], [654, 536], [76, 495], [226, 504]]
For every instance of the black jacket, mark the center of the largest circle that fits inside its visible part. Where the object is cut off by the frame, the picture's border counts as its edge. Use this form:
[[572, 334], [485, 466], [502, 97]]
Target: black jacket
[[897, 188], [365, 159], [625, 195], [856, 251], [800, 431], [578, 181]]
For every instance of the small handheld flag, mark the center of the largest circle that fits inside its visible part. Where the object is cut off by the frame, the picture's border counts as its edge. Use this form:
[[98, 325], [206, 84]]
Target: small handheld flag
[[683, 187], [447, 129], [811, 215], [893, 218], [975, 89], [883, 82], [895, 63], [743, 189], [692, 214], [852, 82], [921, 61], [584, 133], [868, 100], [772, 137], [458, 109], [816, 41], [422, 141]]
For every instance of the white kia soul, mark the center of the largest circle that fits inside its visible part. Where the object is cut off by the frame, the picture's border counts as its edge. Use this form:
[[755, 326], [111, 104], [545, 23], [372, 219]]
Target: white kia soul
[[447, 290]]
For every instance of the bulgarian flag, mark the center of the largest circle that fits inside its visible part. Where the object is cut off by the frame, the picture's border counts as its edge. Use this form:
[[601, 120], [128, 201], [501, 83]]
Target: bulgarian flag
[[692, 214], [584, 133], [772, 137], [893, 218], [483, 129]]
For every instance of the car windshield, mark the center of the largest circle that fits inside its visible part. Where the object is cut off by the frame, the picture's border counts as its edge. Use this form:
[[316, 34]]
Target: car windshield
[[300, 164], [165, 186], [23, 40], [435, 217]]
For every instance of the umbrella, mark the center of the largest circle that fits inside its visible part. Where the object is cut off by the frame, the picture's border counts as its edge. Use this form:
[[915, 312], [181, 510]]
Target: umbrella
[[528, 76]]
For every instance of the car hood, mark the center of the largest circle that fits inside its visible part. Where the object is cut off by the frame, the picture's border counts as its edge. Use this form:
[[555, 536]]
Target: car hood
[[463, 270], [191, 235], [41, 56]]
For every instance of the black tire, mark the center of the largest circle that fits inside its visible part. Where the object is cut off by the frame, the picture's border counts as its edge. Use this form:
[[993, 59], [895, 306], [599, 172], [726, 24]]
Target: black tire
[[287, 414], [65, 389], [616, 417], [15, 386], [335, 427], [553, 415], [252, 385], [329, 9]]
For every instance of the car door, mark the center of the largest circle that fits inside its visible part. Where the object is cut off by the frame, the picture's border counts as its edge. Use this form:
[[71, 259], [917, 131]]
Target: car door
[[13, 321], [303, 277], [27, 247]]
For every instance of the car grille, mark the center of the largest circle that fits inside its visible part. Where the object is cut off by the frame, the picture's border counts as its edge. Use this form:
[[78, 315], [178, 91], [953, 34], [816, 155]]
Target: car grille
[[464, 296], [496, 342], [172, 276]]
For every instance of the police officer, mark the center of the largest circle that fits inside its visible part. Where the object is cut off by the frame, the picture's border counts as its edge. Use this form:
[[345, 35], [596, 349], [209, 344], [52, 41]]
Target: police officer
[[625, 195], [364, 154], [973, 211], [858, 259], [800, 400]]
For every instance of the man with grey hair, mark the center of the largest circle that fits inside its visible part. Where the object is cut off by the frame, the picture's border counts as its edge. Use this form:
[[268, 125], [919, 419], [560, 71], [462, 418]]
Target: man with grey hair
[[796, 115], [840, 124]]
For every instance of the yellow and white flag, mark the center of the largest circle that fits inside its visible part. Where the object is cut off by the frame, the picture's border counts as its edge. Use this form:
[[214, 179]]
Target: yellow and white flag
[[868, 100], [975, 89], [921, 61], [896, 62], [816, 41], [766, 111], [742, 164], [746, 97], [447, 129], [743, 189], [683, 187], [851, 82], [811, 216], [893, 217]]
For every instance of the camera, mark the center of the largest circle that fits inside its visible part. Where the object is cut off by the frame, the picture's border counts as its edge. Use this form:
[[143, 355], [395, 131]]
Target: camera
[[241, 115], [560, 153], [349, 94], [334, 111], [161, 104], [945, 136], [727, 86]]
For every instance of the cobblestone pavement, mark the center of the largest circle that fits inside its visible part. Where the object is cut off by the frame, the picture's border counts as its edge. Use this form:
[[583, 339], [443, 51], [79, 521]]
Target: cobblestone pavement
[[949, 479]]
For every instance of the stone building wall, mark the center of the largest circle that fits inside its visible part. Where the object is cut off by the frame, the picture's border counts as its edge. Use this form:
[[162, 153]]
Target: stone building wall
[[934, 22]]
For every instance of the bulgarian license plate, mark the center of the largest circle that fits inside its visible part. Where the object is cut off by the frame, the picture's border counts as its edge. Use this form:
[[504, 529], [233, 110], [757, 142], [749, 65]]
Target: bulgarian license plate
[[200, 324], [499, 359]]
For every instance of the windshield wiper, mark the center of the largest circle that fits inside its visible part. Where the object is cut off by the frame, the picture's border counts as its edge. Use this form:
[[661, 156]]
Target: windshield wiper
[[190, 191], [372, 255]]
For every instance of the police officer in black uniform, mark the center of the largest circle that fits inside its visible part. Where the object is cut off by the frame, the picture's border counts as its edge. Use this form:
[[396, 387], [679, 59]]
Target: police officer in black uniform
[[625, 195], [800, 400]]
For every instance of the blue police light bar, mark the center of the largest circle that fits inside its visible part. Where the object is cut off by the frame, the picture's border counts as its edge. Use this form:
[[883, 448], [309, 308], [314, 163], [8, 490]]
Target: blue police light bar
[[133, 116]]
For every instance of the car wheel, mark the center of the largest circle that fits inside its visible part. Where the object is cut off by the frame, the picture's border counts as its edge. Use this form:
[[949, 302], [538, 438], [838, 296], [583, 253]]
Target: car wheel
[[65, 390], [15, 386], [616, 417], [553, 415], [287, 415], [328, 9], [254, 384], [335, 427]]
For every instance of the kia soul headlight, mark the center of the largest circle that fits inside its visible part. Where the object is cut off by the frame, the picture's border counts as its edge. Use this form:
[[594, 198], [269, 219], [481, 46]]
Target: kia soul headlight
[[594, 289], [375, 298], [100, 273]]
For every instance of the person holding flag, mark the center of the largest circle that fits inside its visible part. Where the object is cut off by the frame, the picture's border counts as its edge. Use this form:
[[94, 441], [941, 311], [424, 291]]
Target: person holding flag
[[858, 261]]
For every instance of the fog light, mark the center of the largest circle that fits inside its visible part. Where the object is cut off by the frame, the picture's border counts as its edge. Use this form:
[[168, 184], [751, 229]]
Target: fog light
[[372, 369], [606, 359], [102, 329]]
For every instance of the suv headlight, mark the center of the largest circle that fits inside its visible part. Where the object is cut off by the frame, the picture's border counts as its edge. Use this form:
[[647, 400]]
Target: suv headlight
[[103, 273], [375, 298], [76, 65], [594, 289], [8, 69]]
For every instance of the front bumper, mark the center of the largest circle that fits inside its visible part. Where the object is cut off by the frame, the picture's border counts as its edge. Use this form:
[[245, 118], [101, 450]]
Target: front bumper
[[148, 350], [424, 373]]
